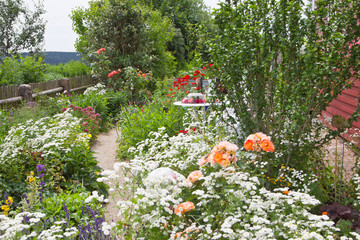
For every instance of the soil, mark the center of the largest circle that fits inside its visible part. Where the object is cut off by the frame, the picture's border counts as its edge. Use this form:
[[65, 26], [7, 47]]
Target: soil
[[105, 152]]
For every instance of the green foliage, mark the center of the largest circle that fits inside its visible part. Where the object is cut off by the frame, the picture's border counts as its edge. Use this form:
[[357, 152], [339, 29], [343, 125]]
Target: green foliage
[[70, 69], [137, 83], [5, 124], [186, 15], [32, 69], [29, 69], [20, 70], [20, 27], [345, 227], [10, 72], [115, 100], [75, 203], [136, 122], [281, 73], [133, 35], [80, 167]]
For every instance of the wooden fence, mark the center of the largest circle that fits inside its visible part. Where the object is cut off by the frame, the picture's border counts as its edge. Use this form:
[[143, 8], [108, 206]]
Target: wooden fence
[[10, 94]]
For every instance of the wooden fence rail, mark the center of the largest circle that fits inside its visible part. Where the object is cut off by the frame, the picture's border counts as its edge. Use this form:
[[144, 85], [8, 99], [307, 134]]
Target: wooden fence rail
[[13, 93]]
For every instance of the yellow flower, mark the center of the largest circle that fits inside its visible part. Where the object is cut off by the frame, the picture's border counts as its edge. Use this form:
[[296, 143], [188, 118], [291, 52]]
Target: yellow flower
[[31, 179], [32, 173], [9, 201], [5, 208], [89, 135]]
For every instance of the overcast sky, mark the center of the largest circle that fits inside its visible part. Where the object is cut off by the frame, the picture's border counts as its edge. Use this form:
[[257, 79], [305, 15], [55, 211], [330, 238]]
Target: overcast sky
[[59, 35]]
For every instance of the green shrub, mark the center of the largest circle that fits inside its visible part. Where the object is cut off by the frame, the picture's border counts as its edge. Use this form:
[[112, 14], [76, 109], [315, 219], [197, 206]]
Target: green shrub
[[136, 122], [75, 68], [131, 34], [116, 99], [20, 70], [10, 72], [70, 69], [33, 70], [76, 202]]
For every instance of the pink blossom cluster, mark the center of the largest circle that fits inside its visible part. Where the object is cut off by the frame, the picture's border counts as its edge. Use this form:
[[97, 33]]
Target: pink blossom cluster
[[194, 101], [91, 119], [223, 154]]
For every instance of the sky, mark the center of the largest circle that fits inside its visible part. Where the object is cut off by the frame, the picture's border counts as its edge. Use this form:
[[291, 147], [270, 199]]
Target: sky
[[59, 35]]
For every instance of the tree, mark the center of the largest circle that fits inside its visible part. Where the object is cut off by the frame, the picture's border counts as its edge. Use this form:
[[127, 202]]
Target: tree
[[132, 34], [282, 64], [20, 27], [186, 16]]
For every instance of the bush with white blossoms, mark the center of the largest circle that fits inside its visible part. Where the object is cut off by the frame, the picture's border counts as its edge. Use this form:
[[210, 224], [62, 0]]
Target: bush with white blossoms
[[99, 89], [174, 193], [49, 135], [23, 226], [58, 142]]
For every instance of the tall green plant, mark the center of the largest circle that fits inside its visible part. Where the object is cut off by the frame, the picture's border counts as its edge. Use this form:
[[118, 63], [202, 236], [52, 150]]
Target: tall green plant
[[137, 122], [282, 64]]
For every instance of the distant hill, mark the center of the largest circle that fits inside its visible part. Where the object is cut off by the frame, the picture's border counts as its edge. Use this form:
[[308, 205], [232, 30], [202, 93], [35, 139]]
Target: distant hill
[[55, 58]]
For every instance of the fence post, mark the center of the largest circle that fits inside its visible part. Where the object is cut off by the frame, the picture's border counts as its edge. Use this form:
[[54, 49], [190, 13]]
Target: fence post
[[65, 84], [25, 92]]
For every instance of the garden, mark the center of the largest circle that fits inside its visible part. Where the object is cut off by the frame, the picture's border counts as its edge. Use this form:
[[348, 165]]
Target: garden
[[241, 158]]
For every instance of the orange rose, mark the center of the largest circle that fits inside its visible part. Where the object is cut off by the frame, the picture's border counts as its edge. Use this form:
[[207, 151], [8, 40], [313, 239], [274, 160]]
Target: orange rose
[[184, 207], [194, 176], [144, 75], [138, 74], [218, 157], [267, 145], [225, 162], [248, 145]]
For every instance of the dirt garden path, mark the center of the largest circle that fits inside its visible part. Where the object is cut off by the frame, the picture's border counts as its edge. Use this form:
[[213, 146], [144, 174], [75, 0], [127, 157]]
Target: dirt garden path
[[105, 152]]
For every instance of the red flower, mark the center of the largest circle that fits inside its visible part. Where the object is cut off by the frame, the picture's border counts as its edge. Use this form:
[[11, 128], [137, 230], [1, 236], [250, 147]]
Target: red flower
[[100, 50], [202, 74], [112, 73]]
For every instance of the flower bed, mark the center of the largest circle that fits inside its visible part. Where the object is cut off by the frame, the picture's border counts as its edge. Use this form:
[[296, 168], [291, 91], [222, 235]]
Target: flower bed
[[177, 191]]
